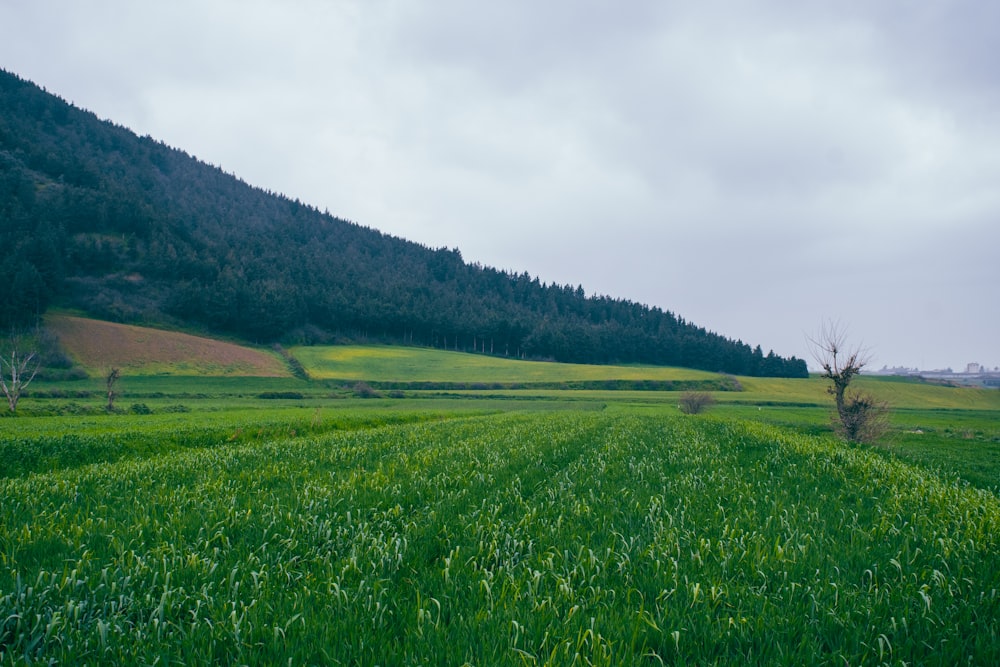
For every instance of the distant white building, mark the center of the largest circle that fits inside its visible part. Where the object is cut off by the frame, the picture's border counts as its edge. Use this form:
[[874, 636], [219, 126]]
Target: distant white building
[[973, 369]]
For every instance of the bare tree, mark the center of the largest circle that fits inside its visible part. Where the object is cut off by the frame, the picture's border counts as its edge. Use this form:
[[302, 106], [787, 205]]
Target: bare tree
[[17, 373], [860, 416], [111, 379]]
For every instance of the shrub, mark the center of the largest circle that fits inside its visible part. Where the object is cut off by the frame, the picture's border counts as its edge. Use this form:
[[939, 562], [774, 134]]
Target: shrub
[[271, 395], [862, 418], [695, 402], [364, 390]]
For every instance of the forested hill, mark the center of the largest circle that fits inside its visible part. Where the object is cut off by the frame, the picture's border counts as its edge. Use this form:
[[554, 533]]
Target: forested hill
[[130, 230]]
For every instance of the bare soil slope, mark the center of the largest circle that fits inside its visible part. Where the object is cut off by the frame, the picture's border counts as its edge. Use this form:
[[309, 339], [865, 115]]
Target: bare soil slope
[[98, 345]]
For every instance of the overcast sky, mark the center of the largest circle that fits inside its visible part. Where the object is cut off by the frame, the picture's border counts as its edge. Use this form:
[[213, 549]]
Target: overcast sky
[[755, 167]]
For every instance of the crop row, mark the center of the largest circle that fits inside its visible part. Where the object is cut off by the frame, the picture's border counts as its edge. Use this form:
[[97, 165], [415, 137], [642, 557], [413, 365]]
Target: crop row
[[52, 444], [564, 538]]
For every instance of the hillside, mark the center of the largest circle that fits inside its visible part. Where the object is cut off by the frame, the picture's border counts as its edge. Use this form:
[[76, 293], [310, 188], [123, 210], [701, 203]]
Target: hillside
[[97, 345], [411, 365], [127, 229]]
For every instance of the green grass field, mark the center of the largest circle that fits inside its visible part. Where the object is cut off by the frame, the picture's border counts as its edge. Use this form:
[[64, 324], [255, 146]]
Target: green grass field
[[551, 538], [952, 430], [406, 364], [254, 520]]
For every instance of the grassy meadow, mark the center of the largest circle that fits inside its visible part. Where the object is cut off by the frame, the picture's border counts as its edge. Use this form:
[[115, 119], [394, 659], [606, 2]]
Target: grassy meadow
[[422, 365], [487, 511]]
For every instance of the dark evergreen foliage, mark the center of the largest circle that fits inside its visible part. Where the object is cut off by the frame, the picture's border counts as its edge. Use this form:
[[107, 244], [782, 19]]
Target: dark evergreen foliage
[[127, 229]]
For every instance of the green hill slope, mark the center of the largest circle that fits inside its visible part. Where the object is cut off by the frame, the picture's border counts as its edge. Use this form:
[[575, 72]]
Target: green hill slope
[[422, 365], [127, 229], [145, 351]]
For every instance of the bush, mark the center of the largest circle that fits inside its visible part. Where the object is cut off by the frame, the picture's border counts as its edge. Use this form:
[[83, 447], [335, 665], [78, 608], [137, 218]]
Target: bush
[[695, 402], [364, 390], [140, 409], [863, 418]]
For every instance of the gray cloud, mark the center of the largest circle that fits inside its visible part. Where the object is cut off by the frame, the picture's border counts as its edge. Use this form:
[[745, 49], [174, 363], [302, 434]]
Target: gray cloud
[[755, 167]]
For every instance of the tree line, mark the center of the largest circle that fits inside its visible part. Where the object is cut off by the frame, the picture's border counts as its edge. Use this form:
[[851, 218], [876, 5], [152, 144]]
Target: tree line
[[128, 229]]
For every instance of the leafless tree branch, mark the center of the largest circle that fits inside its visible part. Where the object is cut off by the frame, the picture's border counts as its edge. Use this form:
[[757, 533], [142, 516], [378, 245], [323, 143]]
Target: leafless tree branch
[[17, 373]]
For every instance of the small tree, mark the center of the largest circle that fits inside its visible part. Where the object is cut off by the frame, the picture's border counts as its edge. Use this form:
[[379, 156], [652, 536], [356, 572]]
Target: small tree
[[860, 416], [111, 379], [16, 373], [695, 402]]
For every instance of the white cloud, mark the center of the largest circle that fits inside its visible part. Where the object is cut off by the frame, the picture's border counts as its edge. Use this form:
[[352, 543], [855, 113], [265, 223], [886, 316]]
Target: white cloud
[[756, 167]]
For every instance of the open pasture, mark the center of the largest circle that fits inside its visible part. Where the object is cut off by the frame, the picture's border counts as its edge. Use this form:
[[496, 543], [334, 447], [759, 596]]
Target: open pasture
[[898, 392], [385, 363], [553, 538]]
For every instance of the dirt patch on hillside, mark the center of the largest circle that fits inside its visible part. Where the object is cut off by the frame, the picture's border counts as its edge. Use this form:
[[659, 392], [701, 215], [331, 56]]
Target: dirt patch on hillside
[[97, 345]]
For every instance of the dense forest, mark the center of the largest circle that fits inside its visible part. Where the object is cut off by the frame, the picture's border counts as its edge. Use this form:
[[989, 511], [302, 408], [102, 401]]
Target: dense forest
[[128, 229]]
